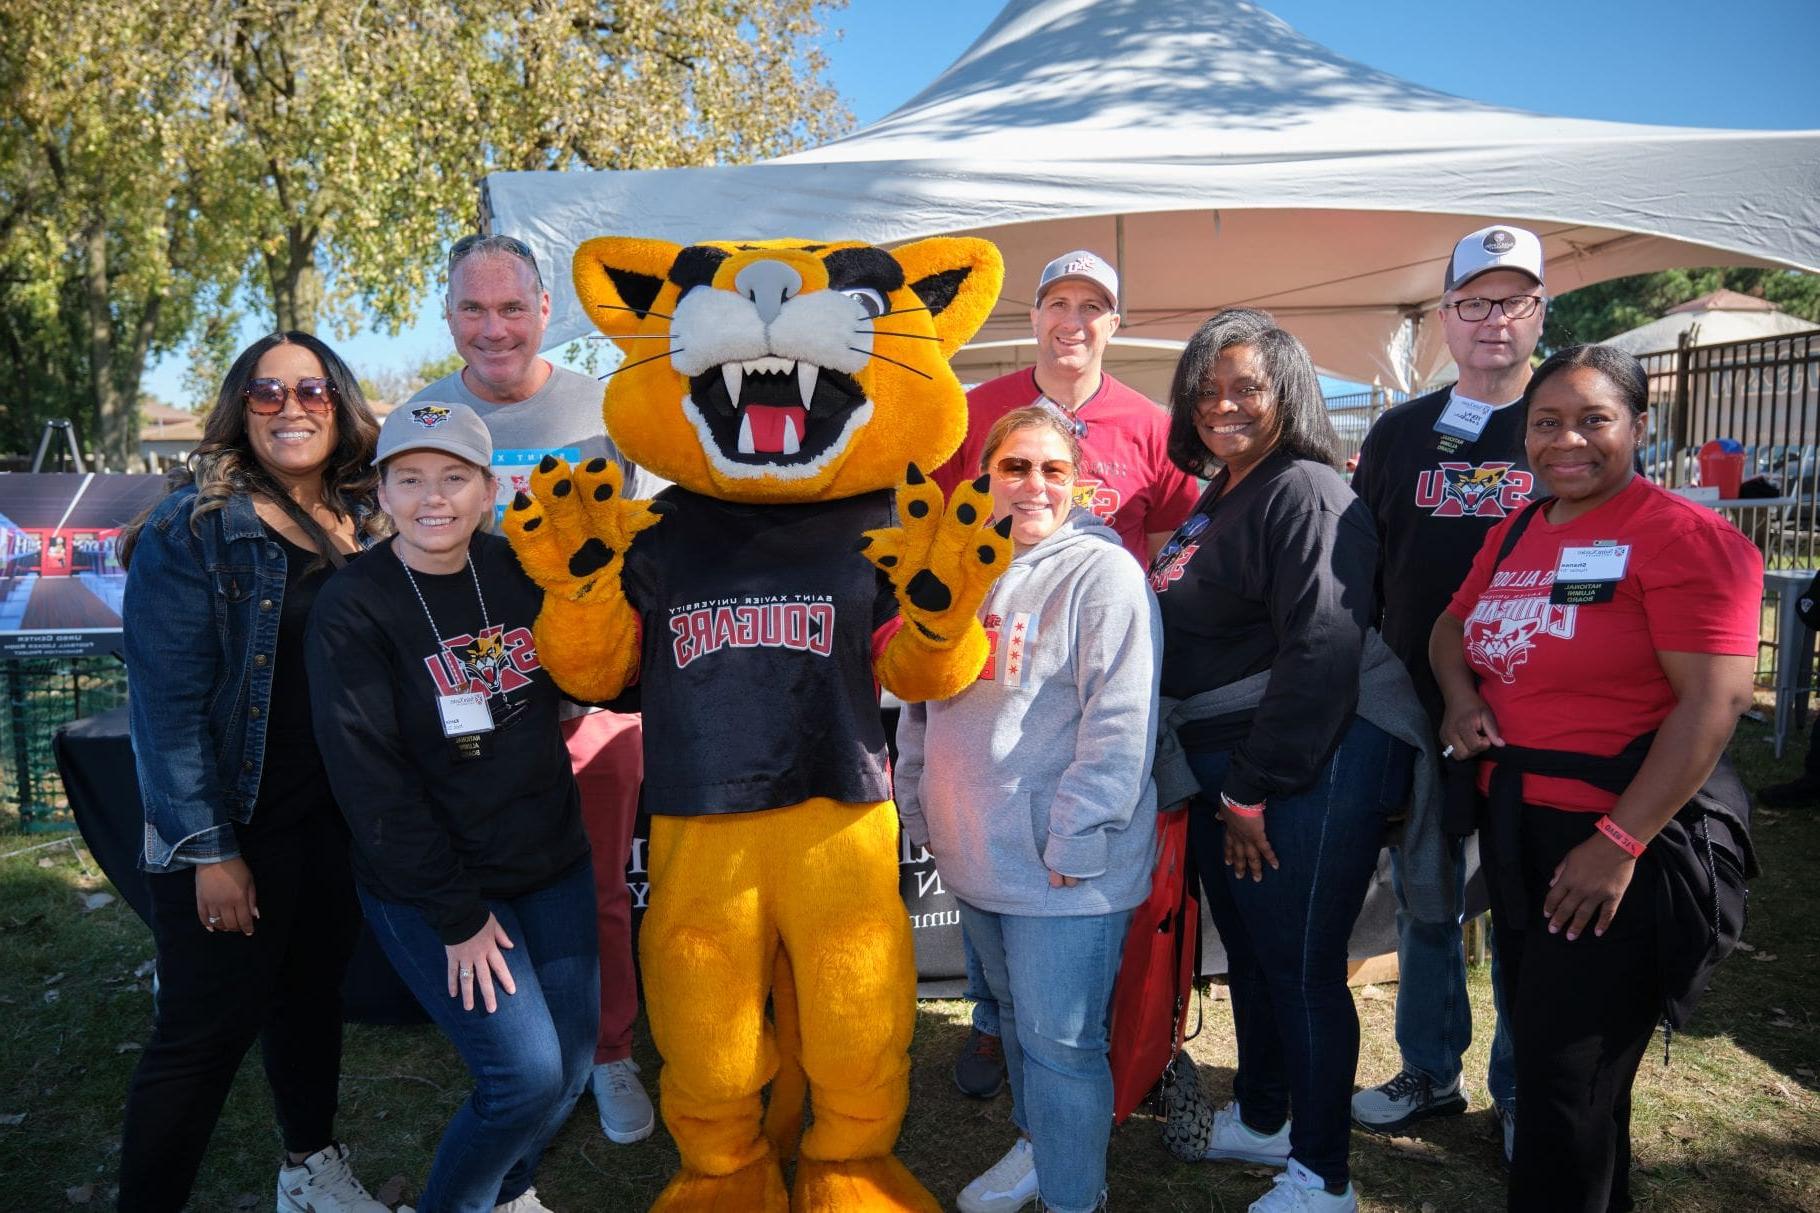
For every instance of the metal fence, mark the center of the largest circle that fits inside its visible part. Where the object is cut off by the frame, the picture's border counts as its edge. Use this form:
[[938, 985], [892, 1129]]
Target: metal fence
[[1355, 413], [41, 694]]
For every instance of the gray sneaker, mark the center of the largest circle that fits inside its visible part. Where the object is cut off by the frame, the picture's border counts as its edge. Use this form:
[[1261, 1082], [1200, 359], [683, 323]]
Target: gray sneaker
[[1506, 1119], [1403, 1100], [980, 1069], [626, 1114]]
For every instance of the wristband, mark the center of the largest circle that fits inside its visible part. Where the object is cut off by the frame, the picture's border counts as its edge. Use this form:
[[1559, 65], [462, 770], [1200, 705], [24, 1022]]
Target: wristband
[[1242, 810], [1620, 837]]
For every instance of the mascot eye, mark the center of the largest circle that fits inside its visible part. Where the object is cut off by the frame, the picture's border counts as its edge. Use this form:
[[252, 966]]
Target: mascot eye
[[870, 301]]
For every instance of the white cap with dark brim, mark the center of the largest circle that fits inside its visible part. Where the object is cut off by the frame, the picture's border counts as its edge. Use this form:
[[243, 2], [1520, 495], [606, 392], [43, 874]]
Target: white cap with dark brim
[[433, 425], [1498, 247]]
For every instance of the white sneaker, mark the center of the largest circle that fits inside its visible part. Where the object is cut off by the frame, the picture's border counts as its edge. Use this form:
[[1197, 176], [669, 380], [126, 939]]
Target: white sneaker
[[1299, 1190], [1407, 1098], [324, 1183], [1233, 1139], [524, 1202], [626, 1114], [1007, 1185]]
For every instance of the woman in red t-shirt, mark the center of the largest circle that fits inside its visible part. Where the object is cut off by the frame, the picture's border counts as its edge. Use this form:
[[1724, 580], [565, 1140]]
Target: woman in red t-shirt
[[1610, 611]]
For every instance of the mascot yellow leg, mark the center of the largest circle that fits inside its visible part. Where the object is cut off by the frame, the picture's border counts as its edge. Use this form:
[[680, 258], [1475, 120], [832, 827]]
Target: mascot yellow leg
[[820, 877]]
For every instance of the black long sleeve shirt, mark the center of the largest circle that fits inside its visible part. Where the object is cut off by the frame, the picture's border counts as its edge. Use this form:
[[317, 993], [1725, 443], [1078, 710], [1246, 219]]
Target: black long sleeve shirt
[[432, 829], [1277, 577]]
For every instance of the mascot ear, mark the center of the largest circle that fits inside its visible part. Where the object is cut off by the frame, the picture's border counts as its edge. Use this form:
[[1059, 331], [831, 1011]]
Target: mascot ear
[[958, 280], [618, 278]]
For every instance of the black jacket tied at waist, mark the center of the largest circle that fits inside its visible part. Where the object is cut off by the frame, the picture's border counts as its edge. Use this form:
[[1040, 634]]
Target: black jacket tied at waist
[[1695, 870]]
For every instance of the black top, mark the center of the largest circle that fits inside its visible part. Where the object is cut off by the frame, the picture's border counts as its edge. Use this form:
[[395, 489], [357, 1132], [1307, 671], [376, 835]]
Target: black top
[[1433, 508], [292, 782], [1275, 575], [433, 828], [756, 675]]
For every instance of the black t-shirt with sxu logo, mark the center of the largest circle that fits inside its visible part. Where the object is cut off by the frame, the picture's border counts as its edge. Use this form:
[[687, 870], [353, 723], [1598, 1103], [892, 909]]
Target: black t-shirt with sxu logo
[[1433, 498], [756, 677], [441, 823]]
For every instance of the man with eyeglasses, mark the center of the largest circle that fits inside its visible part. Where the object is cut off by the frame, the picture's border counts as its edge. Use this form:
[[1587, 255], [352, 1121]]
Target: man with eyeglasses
[[498, 309], [1439, 472], [1126, 479]]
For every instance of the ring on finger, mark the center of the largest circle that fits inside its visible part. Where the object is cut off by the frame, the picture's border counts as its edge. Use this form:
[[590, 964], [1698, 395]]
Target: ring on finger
[[465, 971], [214, 918]]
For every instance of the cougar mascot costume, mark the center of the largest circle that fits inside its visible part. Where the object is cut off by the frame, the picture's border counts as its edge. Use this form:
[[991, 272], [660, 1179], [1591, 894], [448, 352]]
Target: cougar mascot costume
[[791, 391]]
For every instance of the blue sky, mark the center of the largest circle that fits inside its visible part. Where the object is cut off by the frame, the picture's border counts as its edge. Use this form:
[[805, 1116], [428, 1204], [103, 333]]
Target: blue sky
[[1745, 63]]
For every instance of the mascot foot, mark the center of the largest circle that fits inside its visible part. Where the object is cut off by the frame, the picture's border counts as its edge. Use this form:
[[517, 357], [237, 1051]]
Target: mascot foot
[[758, 1188], [859, 1185]]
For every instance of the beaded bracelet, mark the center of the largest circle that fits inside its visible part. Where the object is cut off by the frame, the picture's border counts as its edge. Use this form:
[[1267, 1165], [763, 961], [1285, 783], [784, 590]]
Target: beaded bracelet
[[1243, 810], [1620, 836]]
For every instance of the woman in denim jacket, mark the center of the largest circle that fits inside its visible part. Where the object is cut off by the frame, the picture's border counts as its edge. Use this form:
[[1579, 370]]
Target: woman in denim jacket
[[245, 855]]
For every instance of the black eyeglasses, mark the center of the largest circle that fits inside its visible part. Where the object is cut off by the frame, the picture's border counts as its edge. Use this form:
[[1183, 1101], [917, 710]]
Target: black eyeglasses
[[1515, 307], [266, 396], [467, 246]]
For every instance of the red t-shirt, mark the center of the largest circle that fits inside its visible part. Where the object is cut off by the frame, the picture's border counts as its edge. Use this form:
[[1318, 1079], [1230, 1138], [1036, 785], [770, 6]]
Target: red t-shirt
[[1126, 478], [1586, 678]]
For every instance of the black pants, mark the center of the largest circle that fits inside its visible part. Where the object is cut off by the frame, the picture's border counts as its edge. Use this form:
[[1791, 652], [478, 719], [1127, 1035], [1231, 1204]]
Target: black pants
[[1581, 1017], [219, 991]]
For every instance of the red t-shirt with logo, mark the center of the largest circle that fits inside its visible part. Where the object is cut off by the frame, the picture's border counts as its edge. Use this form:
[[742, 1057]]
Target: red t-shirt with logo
[[1126, 478], [1586, 678]]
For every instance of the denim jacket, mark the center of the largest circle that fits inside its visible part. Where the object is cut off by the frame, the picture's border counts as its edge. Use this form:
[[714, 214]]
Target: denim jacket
[[201, 627]]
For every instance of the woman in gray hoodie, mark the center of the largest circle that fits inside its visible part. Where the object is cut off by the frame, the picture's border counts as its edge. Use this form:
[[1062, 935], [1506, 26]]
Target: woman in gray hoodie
[[1032, 789]]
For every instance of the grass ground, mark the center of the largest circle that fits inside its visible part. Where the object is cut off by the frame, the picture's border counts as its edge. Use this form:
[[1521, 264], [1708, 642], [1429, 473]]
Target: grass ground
[[1732, 1123]]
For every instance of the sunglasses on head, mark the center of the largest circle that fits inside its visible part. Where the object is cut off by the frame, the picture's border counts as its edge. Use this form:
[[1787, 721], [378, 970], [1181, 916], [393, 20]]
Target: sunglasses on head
[[1015, 467], [266, 396]]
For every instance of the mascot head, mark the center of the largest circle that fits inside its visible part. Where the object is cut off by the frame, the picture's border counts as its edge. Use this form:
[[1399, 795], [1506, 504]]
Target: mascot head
[[786, 370]]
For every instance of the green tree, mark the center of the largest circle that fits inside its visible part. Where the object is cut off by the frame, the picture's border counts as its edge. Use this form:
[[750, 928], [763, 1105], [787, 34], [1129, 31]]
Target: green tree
[[1606, 309]]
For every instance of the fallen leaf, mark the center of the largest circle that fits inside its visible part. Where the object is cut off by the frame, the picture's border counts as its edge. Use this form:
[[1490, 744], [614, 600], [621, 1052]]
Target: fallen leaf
[[145, 968], [52, 995], [1700, 1169], [1804, 1071], [12, 1118], [1745, 947], [46, 863], [128, 1046], [53, 979], [1777, 1011], [1764, 956], [1781, 1023], [1685, 1132], [1373, 994], [1419, 1150], [81, 1194], [391, 1191], [1782, 1090], [95, 901]]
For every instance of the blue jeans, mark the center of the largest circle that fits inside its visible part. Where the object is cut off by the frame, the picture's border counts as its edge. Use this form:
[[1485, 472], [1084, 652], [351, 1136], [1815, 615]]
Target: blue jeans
[[1434, 1019], [1286, 937], [985, 1007], [1052, 979], [530, 1059]]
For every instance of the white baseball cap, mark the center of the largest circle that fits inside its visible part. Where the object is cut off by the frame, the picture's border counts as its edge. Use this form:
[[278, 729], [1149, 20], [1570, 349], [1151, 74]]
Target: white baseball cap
[[1498, 247], [1082, 264]]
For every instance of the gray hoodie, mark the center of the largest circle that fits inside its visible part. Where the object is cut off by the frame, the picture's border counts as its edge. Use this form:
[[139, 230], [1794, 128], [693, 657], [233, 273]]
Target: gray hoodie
[[1044, 763]]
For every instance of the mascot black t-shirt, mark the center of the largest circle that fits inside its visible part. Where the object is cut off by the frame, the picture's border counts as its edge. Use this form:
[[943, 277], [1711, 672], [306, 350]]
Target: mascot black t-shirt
[[759, 628]]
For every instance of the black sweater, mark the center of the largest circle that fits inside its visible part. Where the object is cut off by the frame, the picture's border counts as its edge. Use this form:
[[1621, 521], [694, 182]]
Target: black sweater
[[1278, 578], [1433, 508], [430, 829]]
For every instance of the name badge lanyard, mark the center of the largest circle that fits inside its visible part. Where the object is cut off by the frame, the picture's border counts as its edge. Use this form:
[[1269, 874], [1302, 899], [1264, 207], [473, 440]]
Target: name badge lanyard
[[467, 721], [1461, 423]]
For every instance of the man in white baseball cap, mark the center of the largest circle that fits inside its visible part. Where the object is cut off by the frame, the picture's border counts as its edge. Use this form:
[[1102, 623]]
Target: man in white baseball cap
[[1437, 474]]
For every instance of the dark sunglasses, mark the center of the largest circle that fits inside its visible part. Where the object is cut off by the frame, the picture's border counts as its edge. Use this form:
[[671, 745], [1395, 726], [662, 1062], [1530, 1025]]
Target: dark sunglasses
[[266, 396], [1014, 468]]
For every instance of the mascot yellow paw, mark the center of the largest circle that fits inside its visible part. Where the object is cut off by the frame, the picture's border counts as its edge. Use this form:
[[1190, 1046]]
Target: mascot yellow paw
[[758, 1188], [941, 562], [860, 1185], [570, 529]]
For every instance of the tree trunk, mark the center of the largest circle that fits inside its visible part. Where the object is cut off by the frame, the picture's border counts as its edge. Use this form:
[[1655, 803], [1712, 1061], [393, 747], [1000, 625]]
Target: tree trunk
[[102, 388], [296, 283]]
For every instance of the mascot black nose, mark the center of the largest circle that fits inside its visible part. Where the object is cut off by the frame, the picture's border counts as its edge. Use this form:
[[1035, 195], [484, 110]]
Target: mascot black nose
[[767, 284]]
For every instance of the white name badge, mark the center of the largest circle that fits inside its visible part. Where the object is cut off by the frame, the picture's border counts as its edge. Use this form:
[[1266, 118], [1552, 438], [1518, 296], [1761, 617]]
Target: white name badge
[[465, 714], [1603, 563], [1464, 418]]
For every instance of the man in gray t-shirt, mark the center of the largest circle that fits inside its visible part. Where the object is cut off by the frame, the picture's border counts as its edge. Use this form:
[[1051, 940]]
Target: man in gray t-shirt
[[497, 310]]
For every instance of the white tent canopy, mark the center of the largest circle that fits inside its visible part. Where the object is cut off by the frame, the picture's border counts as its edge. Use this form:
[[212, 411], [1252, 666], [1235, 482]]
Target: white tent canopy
[[1218, 158]]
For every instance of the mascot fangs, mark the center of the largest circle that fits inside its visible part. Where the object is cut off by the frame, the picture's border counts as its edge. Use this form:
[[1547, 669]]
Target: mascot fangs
[[784, 387]]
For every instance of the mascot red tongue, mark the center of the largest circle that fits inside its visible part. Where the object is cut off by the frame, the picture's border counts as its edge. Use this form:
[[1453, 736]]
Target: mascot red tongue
[[791, 391]]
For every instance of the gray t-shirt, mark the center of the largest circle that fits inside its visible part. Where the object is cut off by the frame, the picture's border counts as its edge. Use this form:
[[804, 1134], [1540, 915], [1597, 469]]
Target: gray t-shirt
[[562, 418]]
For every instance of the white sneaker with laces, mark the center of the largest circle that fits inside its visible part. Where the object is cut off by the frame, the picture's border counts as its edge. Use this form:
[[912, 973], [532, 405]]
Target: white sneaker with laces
[[1006, 1186], [1299, 1190], [1407, 1098], [1233, 1139], [626, 1114], [324, 1183], [524, 1202]]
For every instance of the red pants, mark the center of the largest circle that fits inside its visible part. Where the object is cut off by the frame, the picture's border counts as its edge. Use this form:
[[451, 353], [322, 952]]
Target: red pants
[[606, 750]]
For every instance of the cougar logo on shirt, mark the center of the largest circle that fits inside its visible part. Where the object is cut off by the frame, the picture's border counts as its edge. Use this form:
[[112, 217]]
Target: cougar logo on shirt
[[803, 625], [1464, 490], [1500, 632], [496, 662]]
